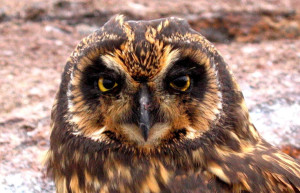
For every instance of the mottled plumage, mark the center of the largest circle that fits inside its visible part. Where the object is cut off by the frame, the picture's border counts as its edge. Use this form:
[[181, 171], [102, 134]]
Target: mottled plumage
[[151, 106]]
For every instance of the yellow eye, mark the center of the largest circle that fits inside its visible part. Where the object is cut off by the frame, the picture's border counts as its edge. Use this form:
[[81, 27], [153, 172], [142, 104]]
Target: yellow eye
[[181, 83], [106, 84]]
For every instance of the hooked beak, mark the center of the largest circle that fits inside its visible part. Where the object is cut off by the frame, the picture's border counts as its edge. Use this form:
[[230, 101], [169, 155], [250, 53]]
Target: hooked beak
[[145, 106]]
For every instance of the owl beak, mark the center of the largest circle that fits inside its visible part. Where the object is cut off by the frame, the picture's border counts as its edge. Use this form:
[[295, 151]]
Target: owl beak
[[144, 110]]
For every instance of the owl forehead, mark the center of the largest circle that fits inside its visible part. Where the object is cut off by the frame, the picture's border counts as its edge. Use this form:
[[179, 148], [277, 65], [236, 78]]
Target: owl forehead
[[141, 57], [144, 51], [143, 48]]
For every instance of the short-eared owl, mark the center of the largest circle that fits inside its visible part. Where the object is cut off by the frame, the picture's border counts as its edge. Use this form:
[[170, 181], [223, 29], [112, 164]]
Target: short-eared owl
[[151, 106]]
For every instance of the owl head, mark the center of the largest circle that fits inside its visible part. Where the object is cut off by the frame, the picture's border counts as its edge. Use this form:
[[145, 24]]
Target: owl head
[[149, 85]]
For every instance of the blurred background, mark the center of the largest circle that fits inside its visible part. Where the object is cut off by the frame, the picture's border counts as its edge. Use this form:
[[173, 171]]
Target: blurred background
[[259, 39]]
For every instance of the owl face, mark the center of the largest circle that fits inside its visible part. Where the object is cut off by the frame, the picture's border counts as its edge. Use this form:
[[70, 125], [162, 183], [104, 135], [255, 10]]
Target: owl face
[[142, 84]]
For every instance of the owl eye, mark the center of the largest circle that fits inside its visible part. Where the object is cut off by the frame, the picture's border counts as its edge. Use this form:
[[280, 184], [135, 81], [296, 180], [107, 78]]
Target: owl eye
[[181, 83], [106, 84]]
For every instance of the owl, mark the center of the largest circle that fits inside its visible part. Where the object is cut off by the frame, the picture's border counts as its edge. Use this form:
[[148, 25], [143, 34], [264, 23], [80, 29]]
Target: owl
[[151, 106]]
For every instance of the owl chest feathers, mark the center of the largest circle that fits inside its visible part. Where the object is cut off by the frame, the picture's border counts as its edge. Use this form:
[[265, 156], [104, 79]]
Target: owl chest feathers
[[110, 172], [115, 170]]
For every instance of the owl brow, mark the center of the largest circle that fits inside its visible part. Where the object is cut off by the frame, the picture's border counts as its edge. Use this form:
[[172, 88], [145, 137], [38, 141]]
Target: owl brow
[[192, 68], [182, 70], [110, 64]]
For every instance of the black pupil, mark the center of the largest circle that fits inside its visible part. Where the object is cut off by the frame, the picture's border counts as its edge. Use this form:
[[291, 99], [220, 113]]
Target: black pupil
[[180, 81], [108, 83]]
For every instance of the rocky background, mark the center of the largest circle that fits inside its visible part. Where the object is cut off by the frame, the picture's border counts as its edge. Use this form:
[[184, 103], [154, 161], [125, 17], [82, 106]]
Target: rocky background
[[259, 39]]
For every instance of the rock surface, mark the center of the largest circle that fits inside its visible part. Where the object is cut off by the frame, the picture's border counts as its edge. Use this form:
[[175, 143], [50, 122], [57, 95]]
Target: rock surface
[[258, 39]]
